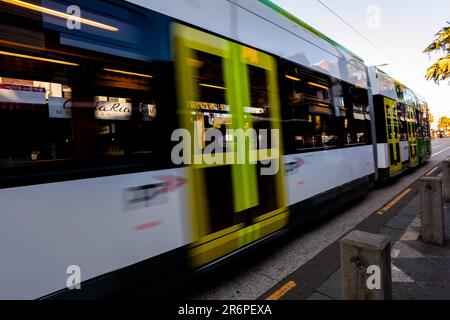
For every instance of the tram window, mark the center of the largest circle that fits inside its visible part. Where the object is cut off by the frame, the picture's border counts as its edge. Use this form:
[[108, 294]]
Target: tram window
[[402, 121], [389, 121], [210, 77], [409, 122], [95, 113], [361, 115], [395, 126], [210, 110], [417, 124], [258, 88], [309, 121], [123, 122], [84, 102], [34, 121], [257, 115], [392, 123], [41, 124], [425, 123], [354, 117]]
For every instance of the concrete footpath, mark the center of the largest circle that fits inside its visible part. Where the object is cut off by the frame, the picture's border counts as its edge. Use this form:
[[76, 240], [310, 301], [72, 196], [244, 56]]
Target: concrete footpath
[[419, 271]]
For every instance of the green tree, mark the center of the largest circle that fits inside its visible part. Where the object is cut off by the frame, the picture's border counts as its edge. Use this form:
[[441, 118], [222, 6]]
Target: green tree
[[444, 123], [441, 68]]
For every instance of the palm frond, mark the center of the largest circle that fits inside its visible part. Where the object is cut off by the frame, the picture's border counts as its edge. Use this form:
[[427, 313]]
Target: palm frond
[[441, 41], [440, 70]]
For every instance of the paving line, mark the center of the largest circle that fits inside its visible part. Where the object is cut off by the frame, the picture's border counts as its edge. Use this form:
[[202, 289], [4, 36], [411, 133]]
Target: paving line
[[432, 171], [434, 155], [440, 145], [277, 295], [394, 202]]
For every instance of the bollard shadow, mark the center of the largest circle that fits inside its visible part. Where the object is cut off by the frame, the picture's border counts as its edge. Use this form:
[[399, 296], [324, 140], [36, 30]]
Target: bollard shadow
[[421, 272]]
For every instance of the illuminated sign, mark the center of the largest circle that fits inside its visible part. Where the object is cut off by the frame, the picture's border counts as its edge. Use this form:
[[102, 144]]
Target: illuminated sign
[[358, 112], [10, 93], [107, 110], [209, 106], [59, 108], [253, 110]]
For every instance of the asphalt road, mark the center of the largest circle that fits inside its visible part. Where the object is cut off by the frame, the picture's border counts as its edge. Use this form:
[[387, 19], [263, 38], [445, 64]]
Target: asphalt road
[[249, 278]]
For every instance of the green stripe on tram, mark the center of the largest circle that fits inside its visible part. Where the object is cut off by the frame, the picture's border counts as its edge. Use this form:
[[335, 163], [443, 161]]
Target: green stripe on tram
[[245, 184], [303, 24]]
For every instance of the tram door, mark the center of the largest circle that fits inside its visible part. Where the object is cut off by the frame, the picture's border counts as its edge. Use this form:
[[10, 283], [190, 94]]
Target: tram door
[[412, 136], [393, 136], [226, 86]]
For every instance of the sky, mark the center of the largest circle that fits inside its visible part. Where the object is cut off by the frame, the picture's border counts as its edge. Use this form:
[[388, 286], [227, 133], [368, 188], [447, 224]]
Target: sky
[[400, 30]]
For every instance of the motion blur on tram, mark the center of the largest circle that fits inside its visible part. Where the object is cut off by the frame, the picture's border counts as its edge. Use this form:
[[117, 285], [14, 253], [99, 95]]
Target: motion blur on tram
[[91, 93]]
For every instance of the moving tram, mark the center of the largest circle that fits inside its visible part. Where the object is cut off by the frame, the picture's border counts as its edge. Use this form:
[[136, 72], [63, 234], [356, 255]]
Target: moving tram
[[402, 125], [91, 95]]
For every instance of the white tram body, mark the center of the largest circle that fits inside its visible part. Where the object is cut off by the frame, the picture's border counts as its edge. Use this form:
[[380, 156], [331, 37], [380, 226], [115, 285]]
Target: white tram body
[[106, 221]]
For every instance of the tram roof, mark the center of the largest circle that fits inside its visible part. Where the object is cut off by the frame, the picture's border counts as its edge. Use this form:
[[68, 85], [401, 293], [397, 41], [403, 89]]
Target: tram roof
[[384, 84], [264, 25], [308, 27]]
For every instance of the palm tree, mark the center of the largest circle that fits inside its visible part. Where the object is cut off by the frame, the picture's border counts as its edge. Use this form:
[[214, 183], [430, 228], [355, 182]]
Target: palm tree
[[440, 70]]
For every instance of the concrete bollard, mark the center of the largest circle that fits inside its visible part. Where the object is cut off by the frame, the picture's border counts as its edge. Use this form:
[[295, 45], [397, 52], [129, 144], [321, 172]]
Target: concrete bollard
[[446, 179], [432, 210], [366, 267]]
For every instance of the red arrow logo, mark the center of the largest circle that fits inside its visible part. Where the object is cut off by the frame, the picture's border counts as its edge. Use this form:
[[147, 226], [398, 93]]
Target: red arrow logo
[[299, 163], [171, 183]]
